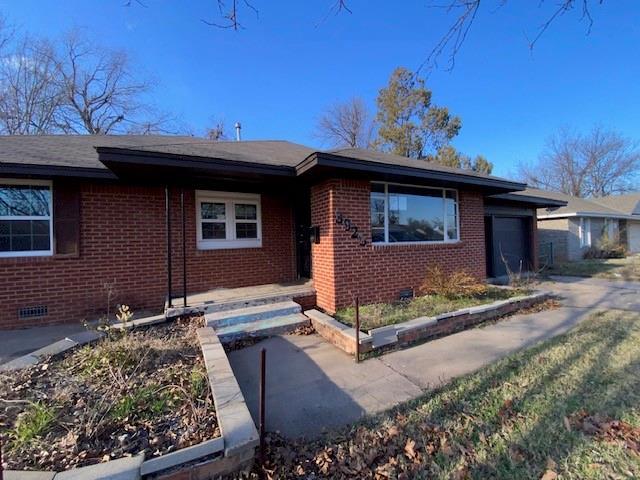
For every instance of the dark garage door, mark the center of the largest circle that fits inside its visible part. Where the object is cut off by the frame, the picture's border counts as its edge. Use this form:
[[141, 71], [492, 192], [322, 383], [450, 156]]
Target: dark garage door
[[510, 245]]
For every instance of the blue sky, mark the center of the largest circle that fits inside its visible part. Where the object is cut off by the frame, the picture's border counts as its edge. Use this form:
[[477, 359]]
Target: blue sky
[[279, 73]]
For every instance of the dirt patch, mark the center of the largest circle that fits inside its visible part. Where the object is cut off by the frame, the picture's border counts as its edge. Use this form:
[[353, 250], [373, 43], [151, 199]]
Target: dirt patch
[[139, 391]]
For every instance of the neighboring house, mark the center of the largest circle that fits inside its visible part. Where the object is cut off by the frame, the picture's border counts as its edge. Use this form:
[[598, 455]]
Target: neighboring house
[[628, 204], [148, 218], [583, 223]]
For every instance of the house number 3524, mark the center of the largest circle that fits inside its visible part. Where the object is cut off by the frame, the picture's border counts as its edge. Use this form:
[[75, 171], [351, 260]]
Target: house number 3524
[[349, 226]]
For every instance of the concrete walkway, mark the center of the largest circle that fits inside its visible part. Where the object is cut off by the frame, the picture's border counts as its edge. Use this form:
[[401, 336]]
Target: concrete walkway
[[312, 386], [15, 343]]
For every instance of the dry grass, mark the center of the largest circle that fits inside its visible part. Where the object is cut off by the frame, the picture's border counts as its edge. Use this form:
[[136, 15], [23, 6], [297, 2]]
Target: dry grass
[[380, 314], [612, 268], [144, 390], [567, 408]]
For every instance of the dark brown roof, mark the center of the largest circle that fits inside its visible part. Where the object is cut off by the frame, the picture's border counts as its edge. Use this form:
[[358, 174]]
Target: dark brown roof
[[79, 151], [391, 159], [21, 154]]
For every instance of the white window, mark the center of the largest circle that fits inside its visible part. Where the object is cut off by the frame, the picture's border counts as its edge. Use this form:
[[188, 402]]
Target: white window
[[584, 231], [228, 220], [610, 228], [26, 219], [411, 214]]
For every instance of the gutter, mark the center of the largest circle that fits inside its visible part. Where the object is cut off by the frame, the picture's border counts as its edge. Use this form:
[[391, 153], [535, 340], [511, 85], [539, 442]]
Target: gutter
[[589, 214]]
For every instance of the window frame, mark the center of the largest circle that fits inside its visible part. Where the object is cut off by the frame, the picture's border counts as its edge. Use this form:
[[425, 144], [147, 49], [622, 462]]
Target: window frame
[[230, 199], [584, 232], [444, 191], [27, 182]]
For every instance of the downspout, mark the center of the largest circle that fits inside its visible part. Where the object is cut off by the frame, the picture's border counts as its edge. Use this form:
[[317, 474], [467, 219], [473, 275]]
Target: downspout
[[168, 229], [184, 252]]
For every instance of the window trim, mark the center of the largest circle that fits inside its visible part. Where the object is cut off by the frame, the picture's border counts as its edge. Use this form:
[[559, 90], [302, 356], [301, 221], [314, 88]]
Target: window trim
[[446, 240], [29, 182], [584, 232], [229, 199]]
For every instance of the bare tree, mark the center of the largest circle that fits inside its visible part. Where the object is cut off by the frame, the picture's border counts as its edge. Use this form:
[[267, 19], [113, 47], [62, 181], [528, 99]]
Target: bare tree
[[346, 124], [464, 13], [600, 163], [101, 95], [217, 132], [30, 97]]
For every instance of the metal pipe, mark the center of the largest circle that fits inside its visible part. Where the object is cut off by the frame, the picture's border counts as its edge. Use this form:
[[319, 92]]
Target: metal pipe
[[184, 252], [168, 215], [357, 330], [262, 411]]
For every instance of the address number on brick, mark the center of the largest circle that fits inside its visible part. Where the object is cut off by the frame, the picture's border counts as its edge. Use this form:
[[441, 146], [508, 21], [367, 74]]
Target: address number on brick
[[349, 226]]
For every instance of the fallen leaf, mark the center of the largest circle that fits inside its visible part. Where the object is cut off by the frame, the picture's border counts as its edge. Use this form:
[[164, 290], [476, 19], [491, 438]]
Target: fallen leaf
[[549, 475], [567, 424]]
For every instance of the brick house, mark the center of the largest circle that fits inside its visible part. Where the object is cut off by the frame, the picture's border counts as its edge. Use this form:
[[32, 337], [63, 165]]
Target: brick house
[[86, 221]]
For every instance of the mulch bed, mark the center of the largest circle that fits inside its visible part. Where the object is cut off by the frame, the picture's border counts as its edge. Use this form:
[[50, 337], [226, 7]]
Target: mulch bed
[[141, 391]]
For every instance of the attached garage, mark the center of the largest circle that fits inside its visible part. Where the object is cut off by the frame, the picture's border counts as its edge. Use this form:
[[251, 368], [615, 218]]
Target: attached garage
[[510, 232], [508, 245]]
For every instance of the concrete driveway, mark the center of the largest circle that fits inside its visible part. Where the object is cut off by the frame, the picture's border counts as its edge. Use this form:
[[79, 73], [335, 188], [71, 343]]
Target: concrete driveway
[[311, 385]]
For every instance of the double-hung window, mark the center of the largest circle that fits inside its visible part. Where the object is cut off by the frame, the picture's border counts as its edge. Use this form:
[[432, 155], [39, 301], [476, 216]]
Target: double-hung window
[[228, 220], [411, 214], [26, 223]]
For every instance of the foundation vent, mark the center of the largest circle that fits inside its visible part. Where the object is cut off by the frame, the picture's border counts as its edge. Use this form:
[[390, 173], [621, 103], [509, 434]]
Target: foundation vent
[[32, 312]]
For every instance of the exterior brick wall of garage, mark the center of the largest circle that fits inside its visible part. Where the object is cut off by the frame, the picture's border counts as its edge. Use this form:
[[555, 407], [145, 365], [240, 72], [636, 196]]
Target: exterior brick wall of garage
[[342, 268], [122, 241]]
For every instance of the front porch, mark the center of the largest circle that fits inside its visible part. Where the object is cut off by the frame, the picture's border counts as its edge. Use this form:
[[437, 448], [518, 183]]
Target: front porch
[[221, 299]]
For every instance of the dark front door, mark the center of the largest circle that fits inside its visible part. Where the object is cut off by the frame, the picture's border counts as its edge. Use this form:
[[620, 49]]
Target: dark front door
[[511, 247], [302, 215]]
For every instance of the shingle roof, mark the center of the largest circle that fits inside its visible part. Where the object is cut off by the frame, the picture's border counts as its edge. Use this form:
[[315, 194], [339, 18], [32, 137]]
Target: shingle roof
[[628, 204], [575, 205], [391, 159], [79, 150]]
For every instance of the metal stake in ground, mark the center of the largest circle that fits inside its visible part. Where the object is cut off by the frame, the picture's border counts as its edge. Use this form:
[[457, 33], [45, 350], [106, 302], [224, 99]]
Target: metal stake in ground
[[261, 414], [357, 330]]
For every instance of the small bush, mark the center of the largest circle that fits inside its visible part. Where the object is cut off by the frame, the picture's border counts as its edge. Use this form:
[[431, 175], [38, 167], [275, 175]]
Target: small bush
[[455, 285], [606, 248]]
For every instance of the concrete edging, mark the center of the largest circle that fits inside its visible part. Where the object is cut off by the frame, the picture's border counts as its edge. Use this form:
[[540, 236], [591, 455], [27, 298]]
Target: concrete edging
[[422, 328], [54, 348]]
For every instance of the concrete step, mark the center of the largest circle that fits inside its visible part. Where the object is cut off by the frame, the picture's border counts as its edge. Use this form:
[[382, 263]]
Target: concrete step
[[251, 314], [262, 328]]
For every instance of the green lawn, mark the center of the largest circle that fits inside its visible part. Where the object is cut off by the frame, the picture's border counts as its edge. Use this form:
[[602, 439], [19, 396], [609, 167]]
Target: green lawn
[[544, 411], [612, 268], [380, 314]]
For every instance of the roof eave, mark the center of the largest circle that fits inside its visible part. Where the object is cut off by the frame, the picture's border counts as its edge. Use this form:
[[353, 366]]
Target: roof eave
[[123, 157], [48, 171], [538, 202], [327, 160], [619, 216]]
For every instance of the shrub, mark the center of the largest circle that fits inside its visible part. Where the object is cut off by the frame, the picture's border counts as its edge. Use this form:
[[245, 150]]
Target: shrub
[[454, 285], [606, 248]]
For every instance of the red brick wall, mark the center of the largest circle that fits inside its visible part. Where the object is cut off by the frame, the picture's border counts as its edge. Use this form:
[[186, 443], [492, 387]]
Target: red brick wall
[[123, 242], [342, 268]]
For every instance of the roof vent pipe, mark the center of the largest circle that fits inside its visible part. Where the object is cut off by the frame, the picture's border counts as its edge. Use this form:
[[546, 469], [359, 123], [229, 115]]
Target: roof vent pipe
[[238, 127]]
